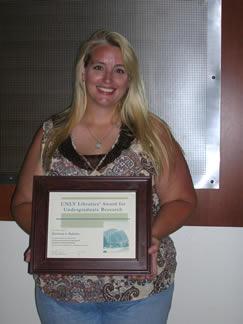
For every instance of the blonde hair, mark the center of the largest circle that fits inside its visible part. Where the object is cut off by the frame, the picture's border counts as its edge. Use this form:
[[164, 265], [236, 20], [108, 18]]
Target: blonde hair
[[153, 133]]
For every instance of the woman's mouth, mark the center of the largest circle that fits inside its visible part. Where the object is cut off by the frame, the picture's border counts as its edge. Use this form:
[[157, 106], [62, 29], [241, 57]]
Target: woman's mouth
[[106, 90]]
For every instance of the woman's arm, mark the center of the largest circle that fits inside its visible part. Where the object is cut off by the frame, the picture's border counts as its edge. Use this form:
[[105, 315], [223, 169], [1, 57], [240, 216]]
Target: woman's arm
[[177, 197], [22, 199]]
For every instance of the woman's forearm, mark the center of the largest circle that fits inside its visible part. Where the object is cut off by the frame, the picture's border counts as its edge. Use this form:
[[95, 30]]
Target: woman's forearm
[[172, 216], [22, 216]]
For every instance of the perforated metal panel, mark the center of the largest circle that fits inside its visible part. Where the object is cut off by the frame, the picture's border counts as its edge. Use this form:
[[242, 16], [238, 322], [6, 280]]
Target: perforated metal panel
[[178, 45]]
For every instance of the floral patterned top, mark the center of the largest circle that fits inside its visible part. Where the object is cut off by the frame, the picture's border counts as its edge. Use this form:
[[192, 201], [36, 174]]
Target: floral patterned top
[[126, 158]]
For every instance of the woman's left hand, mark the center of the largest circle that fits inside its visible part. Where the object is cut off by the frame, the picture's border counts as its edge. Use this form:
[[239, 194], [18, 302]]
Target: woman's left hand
[[153, 251]]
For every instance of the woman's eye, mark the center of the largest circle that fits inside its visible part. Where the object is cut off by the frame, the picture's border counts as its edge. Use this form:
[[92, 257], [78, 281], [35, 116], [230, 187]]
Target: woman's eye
[[98, 67], [120, 71]]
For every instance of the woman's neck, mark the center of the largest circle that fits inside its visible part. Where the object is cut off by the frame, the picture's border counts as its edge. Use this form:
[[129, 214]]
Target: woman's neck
[[101, 117]]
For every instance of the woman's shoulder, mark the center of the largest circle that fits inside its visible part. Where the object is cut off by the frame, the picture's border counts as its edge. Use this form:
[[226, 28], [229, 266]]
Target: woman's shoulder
[[46, 128], [159, 125], [164, 132], [157, 120], [47, 125]]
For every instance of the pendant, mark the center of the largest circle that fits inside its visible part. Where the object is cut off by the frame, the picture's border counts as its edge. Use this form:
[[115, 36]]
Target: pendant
[[98, 145]]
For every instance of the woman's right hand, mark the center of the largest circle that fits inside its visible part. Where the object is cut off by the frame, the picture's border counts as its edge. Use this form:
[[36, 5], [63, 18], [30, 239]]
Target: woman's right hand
[[27, 255]]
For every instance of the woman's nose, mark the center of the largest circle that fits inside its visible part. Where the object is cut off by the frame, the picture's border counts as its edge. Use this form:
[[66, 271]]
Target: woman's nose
[[108, 77]]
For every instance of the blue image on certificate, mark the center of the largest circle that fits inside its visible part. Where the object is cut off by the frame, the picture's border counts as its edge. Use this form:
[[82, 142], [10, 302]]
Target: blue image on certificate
[[115, 238]]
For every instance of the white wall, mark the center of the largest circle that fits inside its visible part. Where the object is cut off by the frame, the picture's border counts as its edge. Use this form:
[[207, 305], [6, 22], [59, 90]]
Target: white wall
[[209, 280], [16, 286]]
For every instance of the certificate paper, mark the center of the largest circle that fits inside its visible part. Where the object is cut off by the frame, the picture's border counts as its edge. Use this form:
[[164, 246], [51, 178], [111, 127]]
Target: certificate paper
[[92, 225]]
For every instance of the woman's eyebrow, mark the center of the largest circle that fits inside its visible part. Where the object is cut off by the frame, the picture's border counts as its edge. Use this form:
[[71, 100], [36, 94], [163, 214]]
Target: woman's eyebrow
[[96, 62], [103, 63]]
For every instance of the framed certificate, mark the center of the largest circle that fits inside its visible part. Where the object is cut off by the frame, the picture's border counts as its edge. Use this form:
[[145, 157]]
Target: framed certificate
[[92, 225]]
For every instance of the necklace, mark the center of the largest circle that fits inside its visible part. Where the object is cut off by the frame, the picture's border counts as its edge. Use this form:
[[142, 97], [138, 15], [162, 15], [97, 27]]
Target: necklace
[[94, 169], [99, 141]]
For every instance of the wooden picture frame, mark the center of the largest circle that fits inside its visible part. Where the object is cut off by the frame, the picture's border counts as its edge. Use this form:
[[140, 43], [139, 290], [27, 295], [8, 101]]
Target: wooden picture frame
[[92, 225]]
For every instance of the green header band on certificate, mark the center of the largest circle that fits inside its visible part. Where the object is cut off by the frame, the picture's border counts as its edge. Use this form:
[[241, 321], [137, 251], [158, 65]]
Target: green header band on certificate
[[93, 198]]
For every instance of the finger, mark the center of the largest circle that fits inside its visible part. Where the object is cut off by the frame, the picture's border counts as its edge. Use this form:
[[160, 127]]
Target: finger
[[154, 269], [27, 256], [152, 249]]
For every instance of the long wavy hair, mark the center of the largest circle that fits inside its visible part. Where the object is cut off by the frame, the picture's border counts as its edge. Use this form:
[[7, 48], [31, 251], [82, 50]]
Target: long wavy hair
[[153, 133]]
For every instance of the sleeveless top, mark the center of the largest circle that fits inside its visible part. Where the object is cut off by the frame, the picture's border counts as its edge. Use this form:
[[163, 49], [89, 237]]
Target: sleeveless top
[[126, 158]]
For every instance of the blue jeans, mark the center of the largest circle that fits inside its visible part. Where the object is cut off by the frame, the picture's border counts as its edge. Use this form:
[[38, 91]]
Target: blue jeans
[[152, 310]]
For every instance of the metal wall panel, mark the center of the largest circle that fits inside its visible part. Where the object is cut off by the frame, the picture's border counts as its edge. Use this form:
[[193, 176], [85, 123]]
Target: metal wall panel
[[178, 45]]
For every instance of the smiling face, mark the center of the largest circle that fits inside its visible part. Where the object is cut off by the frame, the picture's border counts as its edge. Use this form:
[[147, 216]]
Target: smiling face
[[105, 77]]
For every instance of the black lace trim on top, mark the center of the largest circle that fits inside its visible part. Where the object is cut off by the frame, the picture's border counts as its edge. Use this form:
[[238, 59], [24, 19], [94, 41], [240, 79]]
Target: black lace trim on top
[[124, 141]]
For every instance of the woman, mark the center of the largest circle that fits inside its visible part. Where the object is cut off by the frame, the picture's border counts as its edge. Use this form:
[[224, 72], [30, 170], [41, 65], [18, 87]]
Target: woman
[[108, 130]]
